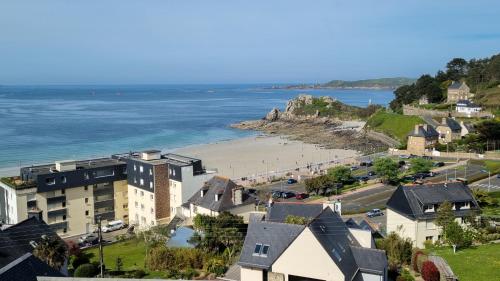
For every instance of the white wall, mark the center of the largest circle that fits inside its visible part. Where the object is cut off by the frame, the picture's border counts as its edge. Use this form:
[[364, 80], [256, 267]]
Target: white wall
[[402, 225], [251, 274], [364, 237], [180, 192], [318, 265], [136, 213]]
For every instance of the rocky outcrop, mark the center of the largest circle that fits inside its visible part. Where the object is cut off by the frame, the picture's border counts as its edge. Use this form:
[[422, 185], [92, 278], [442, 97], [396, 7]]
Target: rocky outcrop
[[273, 115]]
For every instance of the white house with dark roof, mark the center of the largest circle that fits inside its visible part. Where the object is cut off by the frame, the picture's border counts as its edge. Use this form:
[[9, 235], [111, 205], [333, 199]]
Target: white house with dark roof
[[467, 107], [220, 194], [276, 251], [412, 209]]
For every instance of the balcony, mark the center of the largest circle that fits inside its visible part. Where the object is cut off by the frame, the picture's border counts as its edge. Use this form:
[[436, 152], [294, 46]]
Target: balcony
[[103, 190], [109, 216], [58, 225], [56, 199], [57, 212], [104, 203]]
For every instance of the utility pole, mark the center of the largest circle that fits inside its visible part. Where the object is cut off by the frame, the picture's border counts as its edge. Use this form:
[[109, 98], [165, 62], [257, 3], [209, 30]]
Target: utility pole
[[489, 180], [101, 255]]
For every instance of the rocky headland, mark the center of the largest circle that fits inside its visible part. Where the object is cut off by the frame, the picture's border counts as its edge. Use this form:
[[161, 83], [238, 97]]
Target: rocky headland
[[319, 120]]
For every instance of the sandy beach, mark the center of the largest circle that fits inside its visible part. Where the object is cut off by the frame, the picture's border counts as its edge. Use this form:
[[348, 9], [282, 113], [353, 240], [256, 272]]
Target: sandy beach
[[251, 156]]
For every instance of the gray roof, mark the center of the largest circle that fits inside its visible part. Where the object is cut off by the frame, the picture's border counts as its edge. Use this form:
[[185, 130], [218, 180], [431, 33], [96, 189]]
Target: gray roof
[[280, 210], [466, 103], [27, 268], [370, 260], [277, 235], [455, 85], [410, 200], [223, 187], [15, 240], [452, 124], [426, 133]]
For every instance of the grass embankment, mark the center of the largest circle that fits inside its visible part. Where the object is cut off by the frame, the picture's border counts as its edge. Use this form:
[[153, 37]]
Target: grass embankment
[[492, 211], [491, 165], [394, 125], [481, 263], [132, 252]]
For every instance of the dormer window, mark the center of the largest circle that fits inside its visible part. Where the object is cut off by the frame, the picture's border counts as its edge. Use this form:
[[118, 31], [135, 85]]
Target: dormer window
[[203, 192], [428, 208], [217, 197]]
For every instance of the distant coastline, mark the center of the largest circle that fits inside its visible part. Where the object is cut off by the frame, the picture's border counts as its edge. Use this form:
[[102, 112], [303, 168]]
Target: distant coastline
[[367, 84]]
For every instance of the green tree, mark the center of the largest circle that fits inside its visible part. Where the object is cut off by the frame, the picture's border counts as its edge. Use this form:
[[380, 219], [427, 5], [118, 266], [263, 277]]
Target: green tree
[[456, 69], [398, 250], [291, 219], [86, 270], [420, 165], [457, 236], [340, 174], [387, 169], [489, 129], [52, 250], [312, 185], [445, 215]]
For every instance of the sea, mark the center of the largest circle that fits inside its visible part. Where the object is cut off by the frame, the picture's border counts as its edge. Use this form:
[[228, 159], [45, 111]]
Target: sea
[[41, 124]]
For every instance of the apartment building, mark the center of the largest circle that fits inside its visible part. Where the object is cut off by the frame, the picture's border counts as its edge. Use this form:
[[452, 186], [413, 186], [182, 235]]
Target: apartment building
[[71, 195], [158, 185], [412, 209]]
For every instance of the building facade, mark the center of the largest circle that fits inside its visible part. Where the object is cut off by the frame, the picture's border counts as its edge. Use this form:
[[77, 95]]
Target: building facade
[[412, 210], [468, 108], [449, 130], [458, 91], [423, 138], [71, 195]]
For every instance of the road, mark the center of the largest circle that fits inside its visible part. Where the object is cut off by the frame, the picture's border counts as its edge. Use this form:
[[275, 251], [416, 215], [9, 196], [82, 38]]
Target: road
[[491, 184], [466, 171], [365, 200]]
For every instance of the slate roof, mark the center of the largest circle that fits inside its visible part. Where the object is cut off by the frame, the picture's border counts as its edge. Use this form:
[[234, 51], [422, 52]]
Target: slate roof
[[27, 268], [277, 235], [15, 240], [422, 132], [280, 210], [370, 260], [350, 223], [466, 103], [409, 200], [452, 124], [455, 85], [329, 230], [224, 187]]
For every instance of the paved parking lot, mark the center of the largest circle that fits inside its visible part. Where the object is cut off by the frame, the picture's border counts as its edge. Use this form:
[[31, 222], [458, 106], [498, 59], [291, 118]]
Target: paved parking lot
[[491, 184]]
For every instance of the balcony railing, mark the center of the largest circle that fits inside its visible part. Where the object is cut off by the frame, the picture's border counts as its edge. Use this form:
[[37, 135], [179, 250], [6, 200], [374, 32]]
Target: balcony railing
[[57, 212], [58, 225], [56, 199]]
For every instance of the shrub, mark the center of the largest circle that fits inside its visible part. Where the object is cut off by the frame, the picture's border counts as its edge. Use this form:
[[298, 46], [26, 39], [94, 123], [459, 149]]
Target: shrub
[[79, 260], [405, 276], [86, 270], [216, 266], [414, 259], [420, 261], [138, 274], [430, 271], [189, 273], [164, 258]]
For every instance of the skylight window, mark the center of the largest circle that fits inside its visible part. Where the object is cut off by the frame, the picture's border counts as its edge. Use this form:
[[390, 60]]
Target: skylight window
[[257, 249], [265, 250], [341, 247], [336, 254]]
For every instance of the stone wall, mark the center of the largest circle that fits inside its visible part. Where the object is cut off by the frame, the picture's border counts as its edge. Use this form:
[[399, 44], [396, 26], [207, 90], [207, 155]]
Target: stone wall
[[411, 110]]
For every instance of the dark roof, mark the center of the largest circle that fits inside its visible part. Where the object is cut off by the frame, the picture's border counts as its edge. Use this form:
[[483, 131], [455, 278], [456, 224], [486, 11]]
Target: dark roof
[[277, 235], [370, 260], [426, 133], [410, 200], [455, 85], [466, 103], [279, 211], [27, 268], [332, 233], [15, 240], [351, 223], [224, 188], [452, 124]]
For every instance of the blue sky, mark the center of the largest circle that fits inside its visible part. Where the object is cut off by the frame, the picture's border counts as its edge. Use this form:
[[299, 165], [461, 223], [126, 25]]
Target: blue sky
[[233, 41]]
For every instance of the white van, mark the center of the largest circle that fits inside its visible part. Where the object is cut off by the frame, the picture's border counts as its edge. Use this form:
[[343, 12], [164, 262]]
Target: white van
[[113, 225]]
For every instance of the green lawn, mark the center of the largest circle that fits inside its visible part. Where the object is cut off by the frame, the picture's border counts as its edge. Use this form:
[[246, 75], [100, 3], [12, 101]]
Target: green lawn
[[392, 124], [480, 263], [132, 253]]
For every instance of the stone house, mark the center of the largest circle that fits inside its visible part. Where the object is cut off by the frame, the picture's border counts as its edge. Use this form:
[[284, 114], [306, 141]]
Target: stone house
[[449, 130], [458, 91], [412, 209], [422, 138], [325, 248]]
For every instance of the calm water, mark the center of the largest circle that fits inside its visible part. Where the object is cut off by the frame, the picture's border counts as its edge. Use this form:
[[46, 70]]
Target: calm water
[[43, 124]]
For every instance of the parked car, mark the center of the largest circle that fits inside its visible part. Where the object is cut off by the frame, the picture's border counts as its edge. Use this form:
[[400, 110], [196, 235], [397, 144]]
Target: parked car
[[354, 168], [439, 164], [88, 239], [287, 194], [371, 173], [276, 194], [427, 157], [291, 181], [301, 196], [363, 178], [113, 225], [404, 156], [366, 164], [498, 176], [374, 213]]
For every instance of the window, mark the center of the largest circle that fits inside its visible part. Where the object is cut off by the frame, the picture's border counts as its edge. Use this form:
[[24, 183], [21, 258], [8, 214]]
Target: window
[[136, 204], [141, 169], [142, 206], [86, 212], [152, 211], [104, 173], [125, 206], [151, 196], [151, 184], [63, 179], [150, 172], [63, 204], [336, 254], [63, 191], [135, 167], [142, 193], [265, 250], [86, 176], [50, 181], [86, 200], [142, 182], [428, 238], [257, 249], [135, 180], [64, 230], [64, 217], [86, 188]]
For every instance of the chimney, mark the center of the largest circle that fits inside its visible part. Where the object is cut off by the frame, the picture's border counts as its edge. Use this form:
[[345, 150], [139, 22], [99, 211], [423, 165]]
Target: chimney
[[336, 206], [425, 126], [35, 213], [443, 121], [417, 127], [238, 196]]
